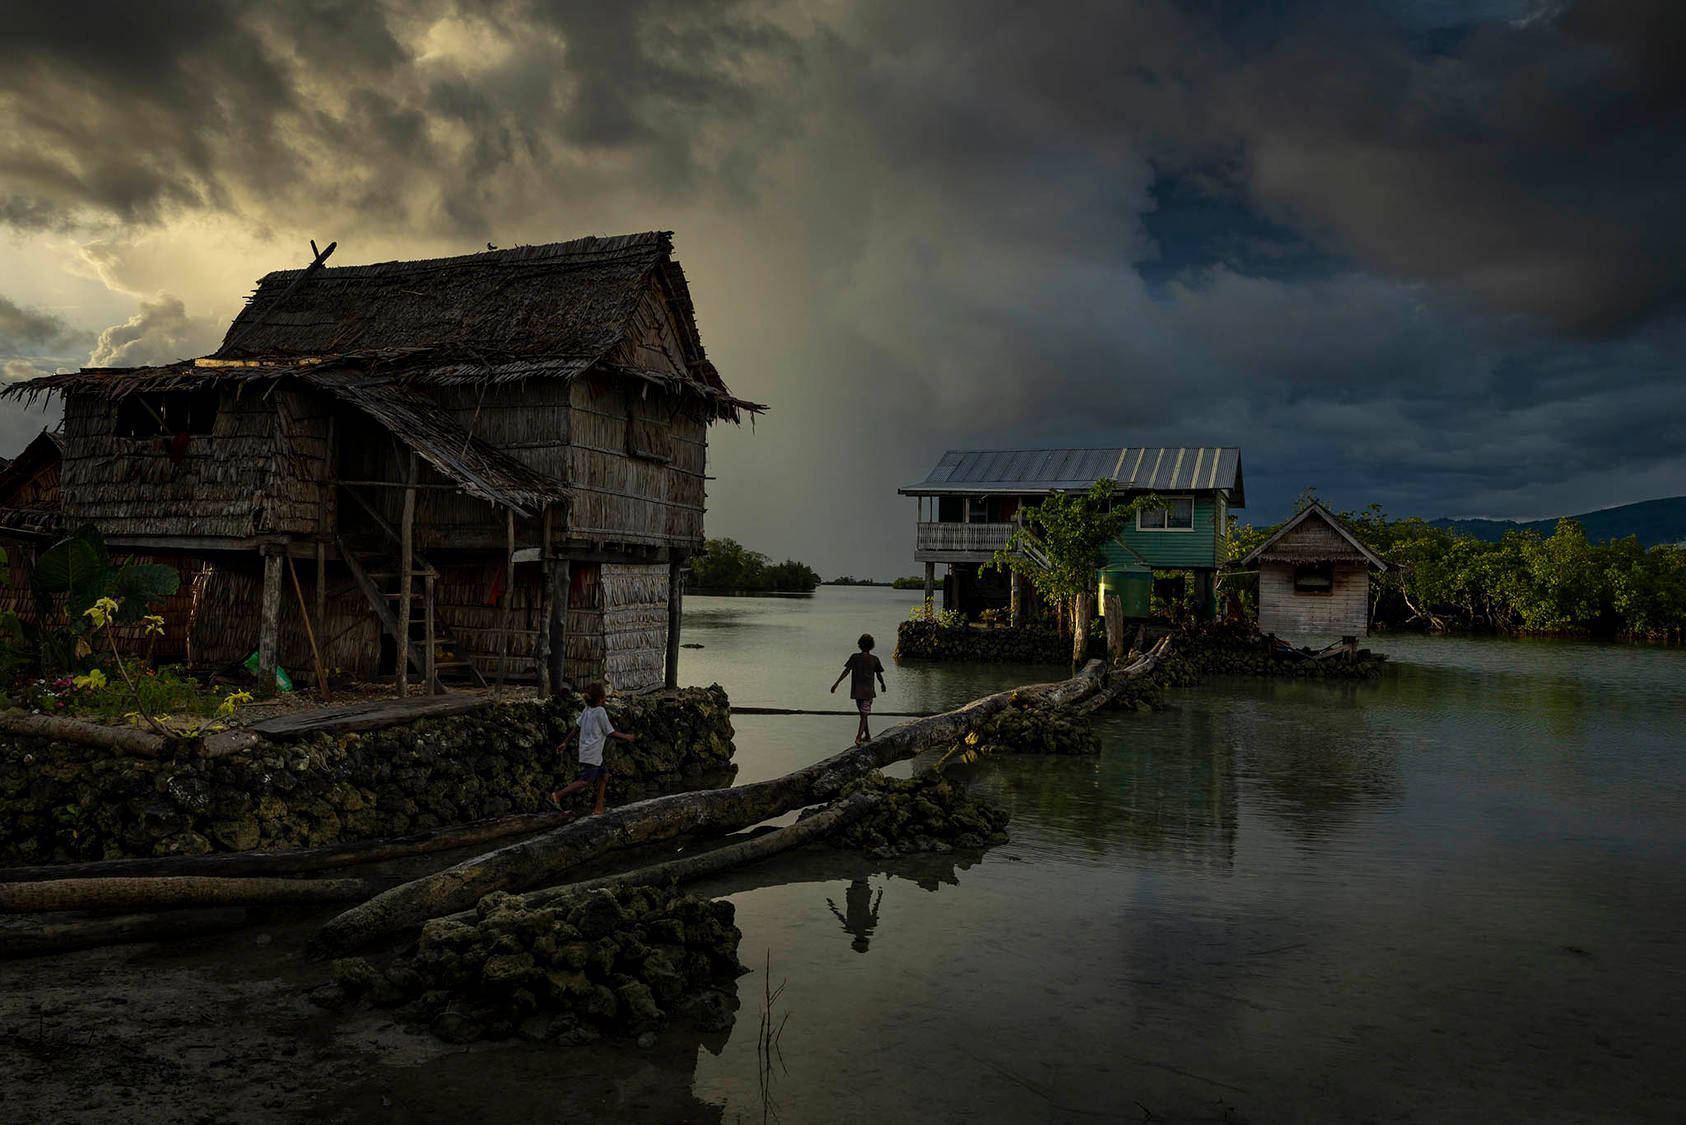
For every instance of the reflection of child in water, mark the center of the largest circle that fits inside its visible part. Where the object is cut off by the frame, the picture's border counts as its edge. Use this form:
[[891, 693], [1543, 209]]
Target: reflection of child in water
[[862, 912]]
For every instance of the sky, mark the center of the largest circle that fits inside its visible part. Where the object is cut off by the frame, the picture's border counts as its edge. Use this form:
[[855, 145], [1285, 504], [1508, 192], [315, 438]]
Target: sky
[[1428, 255]]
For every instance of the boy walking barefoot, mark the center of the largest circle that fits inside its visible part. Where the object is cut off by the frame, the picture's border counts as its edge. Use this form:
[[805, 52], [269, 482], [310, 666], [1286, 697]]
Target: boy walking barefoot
[[861, 667], [594, 731]]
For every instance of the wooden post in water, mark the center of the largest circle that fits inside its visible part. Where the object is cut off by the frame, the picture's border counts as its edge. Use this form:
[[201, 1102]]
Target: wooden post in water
[[406, 562], [269, 621], [1085, 609], [930, 584], [675, 604], [1114, 628]]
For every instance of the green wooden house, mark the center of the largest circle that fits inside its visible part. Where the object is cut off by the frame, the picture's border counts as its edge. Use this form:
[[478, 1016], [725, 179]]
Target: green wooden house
[[970, 503]]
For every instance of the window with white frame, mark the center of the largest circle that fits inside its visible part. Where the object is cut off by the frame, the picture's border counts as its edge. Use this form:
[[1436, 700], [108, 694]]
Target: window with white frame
[[1177, 515]]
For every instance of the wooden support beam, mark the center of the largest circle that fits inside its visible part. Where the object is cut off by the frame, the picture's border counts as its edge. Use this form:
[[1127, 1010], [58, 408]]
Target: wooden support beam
[[542, 650], [429, 661], [1015, 604], [559, 577], [269, 623], [322, 687], [321, 585], [508, 597], [675, 608], [930, 583], [406, 560]]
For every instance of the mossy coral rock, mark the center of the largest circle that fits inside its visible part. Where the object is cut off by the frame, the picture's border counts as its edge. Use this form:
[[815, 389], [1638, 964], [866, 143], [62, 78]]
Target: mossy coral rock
[[927, 812], [619, 960]]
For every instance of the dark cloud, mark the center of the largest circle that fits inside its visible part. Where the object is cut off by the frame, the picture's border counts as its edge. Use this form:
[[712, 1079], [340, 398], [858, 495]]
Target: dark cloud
[[24, 329], [1429, 254]]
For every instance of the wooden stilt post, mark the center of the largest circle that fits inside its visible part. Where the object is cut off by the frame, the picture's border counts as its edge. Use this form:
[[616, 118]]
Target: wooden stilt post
[[546, 596], [269, 623], [1015, 599], [675, 606], [930, 584], [429, 670], [560, 574], [406, 561], [321, 586], [508, 598]]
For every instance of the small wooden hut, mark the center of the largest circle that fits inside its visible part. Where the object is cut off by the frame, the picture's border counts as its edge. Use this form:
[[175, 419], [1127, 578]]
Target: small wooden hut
[[1314, 577], [488, 466]]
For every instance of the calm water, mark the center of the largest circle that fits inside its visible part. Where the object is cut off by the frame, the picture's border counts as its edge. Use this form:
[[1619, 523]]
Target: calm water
[[1455, 894]]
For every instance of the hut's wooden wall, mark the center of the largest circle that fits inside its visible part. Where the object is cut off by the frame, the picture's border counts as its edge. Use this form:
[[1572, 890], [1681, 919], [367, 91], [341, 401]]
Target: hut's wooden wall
[[228, 605], [258, 470], [637, 459], [1344, 611], [583, 649], [38, 491]]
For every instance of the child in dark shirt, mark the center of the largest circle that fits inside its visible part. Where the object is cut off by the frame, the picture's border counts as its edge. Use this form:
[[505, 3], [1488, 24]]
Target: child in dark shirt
[[861, 667]]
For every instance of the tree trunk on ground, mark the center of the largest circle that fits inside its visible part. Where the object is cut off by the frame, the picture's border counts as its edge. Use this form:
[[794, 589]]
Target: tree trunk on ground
[[179, 890], [707, 863], [128, 740], [293, 861], [37, 935], [545, 857]]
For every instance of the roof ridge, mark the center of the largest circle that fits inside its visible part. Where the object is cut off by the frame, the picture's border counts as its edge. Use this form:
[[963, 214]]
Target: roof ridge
[[591, 244]]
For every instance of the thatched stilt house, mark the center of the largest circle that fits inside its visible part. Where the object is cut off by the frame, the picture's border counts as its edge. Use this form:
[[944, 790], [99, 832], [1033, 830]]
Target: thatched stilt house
[[491, 466]]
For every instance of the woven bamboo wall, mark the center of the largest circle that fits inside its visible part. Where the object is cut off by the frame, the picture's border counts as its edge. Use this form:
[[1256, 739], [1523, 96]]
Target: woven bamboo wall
[[229, 603], [634, 625], [652, 342], [469, 605], [40, 490], [630, 498], [255, 472], [583, 650]]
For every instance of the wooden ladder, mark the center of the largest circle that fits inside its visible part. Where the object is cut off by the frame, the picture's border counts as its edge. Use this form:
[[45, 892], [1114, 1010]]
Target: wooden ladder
[[423, 630]]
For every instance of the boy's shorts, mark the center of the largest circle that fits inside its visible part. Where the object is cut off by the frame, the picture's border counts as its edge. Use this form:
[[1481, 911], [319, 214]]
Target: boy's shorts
[[589, 772], [864, 706]]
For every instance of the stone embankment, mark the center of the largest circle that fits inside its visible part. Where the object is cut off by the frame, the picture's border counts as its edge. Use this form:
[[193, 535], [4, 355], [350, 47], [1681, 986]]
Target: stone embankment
[[63, 802], [619, 960]]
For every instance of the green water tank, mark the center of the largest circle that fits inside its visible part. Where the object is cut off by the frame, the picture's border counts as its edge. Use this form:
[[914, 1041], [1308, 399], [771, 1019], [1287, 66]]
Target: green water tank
[[1133, 587]]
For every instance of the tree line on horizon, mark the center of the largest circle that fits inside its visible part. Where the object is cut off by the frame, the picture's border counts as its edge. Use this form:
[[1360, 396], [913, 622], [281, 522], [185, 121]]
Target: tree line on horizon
[[1526, 582], [726, 564]]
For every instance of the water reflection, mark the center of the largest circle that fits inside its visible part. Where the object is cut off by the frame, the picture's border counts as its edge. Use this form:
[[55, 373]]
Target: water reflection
[[860, 913]]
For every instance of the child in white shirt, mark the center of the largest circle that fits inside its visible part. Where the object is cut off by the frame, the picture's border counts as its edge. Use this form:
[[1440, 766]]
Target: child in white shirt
[[593, 730]]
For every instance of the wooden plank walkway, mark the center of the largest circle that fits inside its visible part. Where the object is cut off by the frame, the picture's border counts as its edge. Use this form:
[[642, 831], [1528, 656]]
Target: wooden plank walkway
[[365, 716]]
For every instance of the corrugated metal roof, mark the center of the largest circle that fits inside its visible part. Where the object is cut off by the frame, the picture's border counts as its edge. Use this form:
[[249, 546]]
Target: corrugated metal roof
[[1156, 468]]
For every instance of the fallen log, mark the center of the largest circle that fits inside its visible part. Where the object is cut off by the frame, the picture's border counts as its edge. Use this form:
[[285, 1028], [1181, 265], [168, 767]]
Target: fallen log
[[36, 936], [542, 858], [179, 891], [129, 740], [725, 858], [293, 861]]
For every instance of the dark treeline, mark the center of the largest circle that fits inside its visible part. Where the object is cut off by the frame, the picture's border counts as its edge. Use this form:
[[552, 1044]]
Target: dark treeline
[[1526, 582], [726, 564]]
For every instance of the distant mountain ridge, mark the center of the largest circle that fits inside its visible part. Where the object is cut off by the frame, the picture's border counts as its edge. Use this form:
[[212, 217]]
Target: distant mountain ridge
[[1653, 521]]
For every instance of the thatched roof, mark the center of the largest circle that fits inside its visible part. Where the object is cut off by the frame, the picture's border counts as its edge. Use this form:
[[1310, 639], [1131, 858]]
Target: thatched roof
[[532, 312], [41, 518], [1316, 535]]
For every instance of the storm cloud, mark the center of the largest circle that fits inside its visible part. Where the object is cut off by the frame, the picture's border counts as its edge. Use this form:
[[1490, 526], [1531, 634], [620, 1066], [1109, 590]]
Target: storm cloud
[[1432, 260]]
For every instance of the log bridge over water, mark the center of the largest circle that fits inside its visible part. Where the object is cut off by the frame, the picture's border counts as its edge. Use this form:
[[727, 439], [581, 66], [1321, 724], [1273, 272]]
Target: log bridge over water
[[194, 893]]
